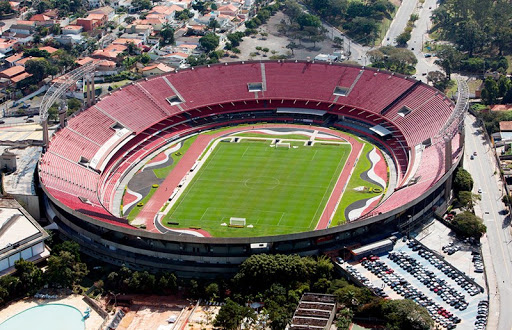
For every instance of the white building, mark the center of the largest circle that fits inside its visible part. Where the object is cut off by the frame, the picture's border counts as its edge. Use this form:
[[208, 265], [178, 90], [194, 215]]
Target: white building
[[20, 236]]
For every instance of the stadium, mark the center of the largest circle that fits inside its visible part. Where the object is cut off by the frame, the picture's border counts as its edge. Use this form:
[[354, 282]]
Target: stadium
[[256, 157]]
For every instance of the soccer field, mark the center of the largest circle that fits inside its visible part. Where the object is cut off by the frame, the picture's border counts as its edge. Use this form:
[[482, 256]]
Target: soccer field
[[277, 190]]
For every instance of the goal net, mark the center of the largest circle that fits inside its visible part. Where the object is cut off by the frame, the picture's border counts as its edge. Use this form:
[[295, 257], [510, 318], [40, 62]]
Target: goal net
[[283, 145], [237, 222]]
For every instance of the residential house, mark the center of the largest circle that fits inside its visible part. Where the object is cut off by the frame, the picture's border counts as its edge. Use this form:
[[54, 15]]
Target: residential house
[[42, 20], [105, 10], [175, 60], [185, 4], [7, 46], [156, 69], [11, 60], [69, 39], [230, 10], [23, 27], [111, 52], [20, 77], [156, 23], [24, 60], [165, 12], [72, 29], [92, 21], [11, 73], [49, 49], [125, 41]]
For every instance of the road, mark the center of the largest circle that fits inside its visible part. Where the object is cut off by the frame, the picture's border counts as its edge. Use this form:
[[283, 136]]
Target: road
[[399, 23], [482, 169]]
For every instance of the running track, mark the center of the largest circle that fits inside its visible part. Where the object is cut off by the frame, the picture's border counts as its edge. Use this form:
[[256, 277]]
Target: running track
[[164, 191]]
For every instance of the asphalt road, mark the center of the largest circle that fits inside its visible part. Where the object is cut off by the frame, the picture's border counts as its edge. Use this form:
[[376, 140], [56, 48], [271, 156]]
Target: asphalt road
[[399, 23], [482, 168]]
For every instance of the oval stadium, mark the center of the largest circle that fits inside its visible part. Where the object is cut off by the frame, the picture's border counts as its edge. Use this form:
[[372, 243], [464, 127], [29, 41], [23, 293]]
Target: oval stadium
[[196, 170]]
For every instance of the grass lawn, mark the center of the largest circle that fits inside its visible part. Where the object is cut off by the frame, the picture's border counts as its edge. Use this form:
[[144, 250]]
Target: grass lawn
[[161, 173], [278, 191], [350, 196]]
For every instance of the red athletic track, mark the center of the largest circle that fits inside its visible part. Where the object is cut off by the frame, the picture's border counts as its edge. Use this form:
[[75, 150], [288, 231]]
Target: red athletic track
[[161, 195], [342, 180]]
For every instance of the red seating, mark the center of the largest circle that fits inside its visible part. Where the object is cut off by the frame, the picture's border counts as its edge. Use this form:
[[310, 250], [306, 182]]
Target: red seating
[[129, 101], [142, 107], [93, 124], [72, 146]]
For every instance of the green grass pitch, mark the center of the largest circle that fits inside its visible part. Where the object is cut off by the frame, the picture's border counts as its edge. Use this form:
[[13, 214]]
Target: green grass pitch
[[277, 190]]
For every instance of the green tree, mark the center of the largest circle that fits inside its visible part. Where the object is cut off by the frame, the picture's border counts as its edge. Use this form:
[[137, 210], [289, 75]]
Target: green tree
[[449, 59], [392, 58], [467, 199], [209, 42], [30, 276], [212, 291], [406, 314], [129, 19], [69, 246], [469, 225], [213, 25], [230, 315], [142, 4], [490, 92], [167, 34], [64, 270], [38, 68], [402, 39], [462, 181], [5, 8]]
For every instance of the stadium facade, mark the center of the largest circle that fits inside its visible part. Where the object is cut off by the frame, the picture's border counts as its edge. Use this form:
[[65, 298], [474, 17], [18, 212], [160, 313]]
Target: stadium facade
[[418, 127]]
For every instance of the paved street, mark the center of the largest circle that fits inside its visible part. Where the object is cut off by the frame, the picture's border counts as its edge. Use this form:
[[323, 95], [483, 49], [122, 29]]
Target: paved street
[[490, 208], [400, 22]]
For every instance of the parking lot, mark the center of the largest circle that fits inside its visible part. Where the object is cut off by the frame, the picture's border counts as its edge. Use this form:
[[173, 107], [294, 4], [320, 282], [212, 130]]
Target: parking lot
[[411, 271]]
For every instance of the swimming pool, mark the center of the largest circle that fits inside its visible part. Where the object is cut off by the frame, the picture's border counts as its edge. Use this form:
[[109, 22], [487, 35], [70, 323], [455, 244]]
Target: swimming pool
[[46, 317]]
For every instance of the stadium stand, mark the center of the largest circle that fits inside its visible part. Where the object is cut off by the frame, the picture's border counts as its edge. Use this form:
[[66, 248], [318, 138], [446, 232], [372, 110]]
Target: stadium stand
[[219, 95]]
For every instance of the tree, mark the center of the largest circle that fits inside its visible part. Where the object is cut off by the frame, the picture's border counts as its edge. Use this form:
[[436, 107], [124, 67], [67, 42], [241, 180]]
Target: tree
[[209, 42], [144, 58], [291, 46], [402, 39], [5, 8], [406, 314], [31, 277], [73, 106], [69, 246], [462, 181], [490, 92], [64, 270], [392, 58], [467, 199], [212, 291], [213, 25], [438, 80], [469, 225], [39, 68], [142, 4], [167, 34], [448, 58], [230, 315], [129, 19]]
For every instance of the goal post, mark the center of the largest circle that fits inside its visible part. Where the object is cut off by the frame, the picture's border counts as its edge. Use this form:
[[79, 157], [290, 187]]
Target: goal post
[[283, 145], [237, 222]]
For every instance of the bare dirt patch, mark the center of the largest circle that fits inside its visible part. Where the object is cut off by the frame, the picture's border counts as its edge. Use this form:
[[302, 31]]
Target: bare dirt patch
[[276, 43]]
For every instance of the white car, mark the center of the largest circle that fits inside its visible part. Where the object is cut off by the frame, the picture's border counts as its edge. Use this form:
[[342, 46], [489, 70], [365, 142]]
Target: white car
[[479, 190]]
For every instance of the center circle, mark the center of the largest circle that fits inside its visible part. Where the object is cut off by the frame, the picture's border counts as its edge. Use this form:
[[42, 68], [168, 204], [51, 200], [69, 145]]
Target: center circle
[[262, 182]]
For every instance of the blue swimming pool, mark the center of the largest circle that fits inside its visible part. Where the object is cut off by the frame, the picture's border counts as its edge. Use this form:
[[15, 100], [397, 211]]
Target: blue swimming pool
[[46, 317]]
